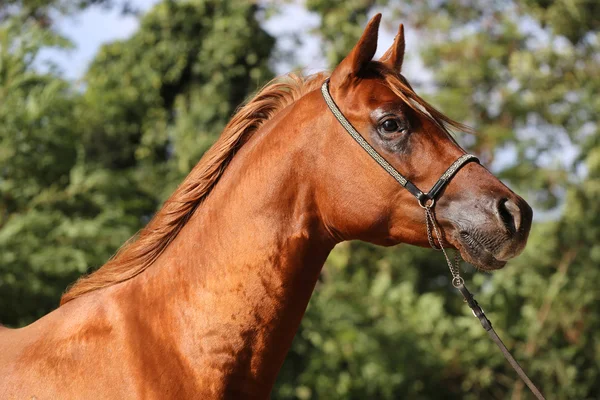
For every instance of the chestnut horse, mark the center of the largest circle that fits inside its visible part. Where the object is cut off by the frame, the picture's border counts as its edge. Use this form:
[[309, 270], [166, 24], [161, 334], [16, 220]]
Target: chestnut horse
[[205, 301]]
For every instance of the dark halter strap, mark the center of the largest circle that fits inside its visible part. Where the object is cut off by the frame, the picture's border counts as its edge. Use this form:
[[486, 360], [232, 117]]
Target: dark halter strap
[[427, 201], [422, 197]]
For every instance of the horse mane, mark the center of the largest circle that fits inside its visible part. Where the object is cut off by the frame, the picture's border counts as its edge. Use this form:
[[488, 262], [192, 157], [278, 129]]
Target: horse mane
[[140, 251]]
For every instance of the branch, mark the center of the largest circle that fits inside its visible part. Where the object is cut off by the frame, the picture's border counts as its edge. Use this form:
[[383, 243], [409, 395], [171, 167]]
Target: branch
[[544, 311]]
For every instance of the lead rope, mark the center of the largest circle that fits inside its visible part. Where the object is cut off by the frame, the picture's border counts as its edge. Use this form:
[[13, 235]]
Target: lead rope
[[457, 280], [459, 283]]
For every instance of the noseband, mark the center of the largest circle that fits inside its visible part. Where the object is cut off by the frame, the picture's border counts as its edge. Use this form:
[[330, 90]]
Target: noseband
[[427, 201]]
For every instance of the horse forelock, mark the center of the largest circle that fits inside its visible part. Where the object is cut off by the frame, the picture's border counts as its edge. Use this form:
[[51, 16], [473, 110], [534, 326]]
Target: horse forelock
[[401, 88]]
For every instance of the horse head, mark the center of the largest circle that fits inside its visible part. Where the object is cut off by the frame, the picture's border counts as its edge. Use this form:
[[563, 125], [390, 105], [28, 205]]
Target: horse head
[[478, 215]]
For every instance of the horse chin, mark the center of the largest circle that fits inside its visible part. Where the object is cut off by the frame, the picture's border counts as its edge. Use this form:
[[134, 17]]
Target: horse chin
[[477, 255], [483, 262]]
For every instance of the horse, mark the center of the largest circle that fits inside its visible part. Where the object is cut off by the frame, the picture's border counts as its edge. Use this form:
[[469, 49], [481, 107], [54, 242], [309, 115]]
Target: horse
[[204, 302]]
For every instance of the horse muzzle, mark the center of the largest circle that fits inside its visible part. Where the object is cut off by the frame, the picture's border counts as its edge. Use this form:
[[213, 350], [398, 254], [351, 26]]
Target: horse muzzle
[[492, 235]]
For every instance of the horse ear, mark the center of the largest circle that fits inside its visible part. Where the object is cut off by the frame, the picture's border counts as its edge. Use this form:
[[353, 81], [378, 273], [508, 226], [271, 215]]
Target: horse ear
[[361, 54], [394, 56]]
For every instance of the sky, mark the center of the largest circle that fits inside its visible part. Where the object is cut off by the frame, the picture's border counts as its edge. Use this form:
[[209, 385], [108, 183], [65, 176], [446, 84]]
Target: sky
[[88, 31]]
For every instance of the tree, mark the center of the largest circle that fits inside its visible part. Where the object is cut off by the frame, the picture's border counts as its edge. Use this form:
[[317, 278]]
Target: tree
[[160, 98], [43, 12], [57, 219]]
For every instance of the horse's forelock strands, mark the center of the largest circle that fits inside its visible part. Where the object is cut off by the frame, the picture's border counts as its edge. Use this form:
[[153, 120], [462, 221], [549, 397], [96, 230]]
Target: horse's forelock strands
[[400, 86], [139, 252]]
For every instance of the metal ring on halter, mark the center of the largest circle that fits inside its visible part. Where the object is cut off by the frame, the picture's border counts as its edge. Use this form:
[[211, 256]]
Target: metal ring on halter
[[457, 281], [424, 204]]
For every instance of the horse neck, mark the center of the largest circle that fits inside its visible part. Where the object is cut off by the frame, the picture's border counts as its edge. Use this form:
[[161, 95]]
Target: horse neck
[[236, 281]]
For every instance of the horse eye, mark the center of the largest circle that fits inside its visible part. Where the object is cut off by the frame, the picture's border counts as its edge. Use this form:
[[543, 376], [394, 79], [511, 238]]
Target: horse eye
[[390, 126]]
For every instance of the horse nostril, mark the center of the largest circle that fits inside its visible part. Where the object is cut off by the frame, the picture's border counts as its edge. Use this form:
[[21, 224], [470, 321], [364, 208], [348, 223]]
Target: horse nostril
[[510, 215]]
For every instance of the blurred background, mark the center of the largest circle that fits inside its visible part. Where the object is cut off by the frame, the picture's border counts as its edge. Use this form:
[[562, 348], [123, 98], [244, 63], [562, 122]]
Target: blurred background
[[105, 105]]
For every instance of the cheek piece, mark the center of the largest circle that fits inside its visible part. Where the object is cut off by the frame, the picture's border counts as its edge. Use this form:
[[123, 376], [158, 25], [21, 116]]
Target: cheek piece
[[427, 201]]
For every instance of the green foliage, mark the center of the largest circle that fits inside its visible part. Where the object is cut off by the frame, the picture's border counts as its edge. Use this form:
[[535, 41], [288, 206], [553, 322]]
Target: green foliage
[[37, 150], [42, 12], [569, 18], [160, 98], [341, 24]]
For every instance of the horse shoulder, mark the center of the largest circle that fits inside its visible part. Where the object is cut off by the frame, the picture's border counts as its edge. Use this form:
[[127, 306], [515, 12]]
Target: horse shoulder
[[55, 356]]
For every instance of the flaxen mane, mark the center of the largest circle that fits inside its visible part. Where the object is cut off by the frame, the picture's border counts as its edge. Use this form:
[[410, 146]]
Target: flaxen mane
[[142, 250]]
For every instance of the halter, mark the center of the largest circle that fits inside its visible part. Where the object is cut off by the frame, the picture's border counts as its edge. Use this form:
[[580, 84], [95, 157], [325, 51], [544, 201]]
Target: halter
[[427, 201]]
